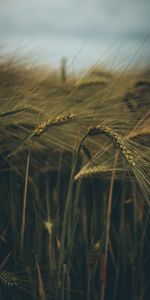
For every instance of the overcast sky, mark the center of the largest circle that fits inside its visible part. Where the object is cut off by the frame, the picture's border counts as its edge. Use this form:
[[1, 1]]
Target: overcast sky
[[110, 30]]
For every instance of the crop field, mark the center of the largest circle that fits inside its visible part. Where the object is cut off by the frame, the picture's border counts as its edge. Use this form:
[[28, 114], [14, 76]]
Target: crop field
[[74, 183]]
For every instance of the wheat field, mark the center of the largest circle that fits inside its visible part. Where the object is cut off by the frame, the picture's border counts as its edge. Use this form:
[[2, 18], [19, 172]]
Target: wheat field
[[74, 183]]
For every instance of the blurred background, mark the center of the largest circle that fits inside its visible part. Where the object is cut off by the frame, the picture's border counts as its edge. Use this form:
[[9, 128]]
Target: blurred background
[[84, 31]]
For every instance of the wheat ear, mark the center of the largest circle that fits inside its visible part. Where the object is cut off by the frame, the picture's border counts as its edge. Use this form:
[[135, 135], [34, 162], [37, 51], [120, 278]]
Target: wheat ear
[[136, 155], [117, 140], [8, 279], [97, 170], [50, 122], [92, 171], [53, 122]]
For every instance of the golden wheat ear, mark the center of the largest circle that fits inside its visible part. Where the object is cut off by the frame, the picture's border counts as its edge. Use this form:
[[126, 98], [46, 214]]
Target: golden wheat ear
[[87, 172], [117, 139], [135, 155], [42, 127], [50, 122]]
